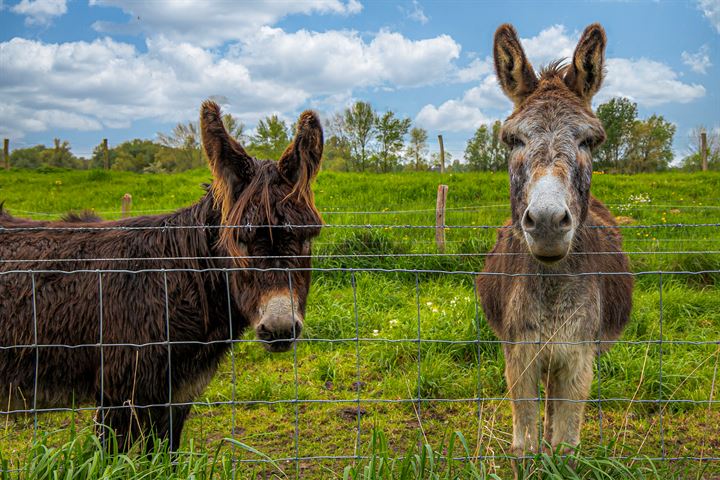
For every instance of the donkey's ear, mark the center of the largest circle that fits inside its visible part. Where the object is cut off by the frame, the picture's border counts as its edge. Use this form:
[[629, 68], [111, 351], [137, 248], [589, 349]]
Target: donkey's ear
[[301, 160], [229, 161], [585, 74], [514, 71]]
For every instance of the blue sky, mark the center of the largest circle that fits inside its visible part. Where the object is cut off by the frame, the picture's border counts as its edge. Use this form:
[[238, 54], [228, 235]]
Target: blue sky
[[83, 70]]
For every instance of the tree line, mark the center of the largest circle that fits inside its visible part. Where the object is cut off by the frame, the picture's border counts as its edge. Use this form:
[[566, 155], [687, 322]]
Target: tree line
[[360, 139]]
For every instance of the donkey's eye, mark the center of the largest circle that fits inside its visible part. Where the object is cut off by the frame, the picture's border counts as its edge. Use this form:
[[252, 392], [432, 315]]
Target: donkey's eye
[[514, 141], [587, 144], [306, 247]]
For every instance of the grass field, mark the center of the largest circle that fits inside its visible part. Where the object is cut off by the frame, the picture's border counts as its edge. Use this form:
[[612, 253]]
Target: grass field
[[344, 385]]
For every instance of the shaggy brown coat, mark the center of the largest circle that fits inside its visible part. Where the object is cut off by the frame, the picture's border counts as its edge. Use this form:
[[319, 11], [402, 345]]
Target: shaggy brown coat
[[104, 284]]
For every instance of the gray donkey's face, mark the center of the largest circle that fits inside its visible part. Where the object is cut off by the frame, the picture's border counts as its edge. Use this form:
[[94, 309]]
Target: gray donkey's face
[[551, 133]]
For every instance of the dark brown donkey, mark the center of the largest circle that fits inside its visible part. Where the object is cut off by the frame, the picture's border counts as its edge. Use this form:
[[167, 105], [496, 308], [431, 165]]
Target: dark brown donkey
[[557, 229], [122, 305]]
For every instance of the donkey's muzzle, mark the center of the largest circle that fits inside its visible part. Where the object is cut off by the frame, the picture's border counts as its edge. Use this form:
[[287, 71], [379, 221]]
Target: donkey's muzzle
[[280, 324], [548, 228]]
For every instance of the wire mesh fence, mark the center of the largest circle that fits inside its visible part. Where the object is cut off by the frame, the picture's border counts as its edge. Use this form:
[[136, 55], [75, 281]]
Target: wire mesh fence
[[421, 355]]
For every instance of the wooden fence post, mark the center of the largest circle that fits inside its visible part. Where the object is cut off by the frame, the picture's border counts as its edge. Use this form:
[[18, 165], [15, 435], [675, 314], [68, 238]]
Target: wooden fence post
[[703, 150], [442, 154], [6, 153], [106, 154], [126, 205], [440, 217]]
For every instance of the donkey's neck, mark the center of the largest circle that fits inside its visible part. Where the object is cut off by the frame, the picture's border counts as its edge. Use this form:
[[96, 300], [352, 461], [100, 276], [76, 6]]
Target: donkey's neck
[[189, 233]]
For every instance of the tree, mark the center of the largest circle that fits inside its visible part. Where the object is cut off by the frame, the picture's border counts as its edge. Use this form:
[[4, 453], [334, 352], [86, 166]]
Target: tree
[[270, 139], [456, 166], [651, 145], [418, 148], [478, 153], [97, 160], [435, 159], [235, 128], [168, 160], [59, 156], [27, 157], [336, 154], [140, 156], [185, 139], [618, 117], [693, 161], [485, 150], [359, 121], [499, 152], [390, 133]]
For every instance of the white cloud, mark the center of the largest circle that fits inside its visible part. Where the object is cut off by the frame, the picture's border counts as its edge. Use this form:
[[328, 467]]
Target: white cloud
[[469, 112], [453, 115], [417, 14], [212, 23], [488, 95], [40, 12], [550, 44], [85, 85], [106, 83], [414, 62], [476, 70], [647, 82], [698, 62], [711, 10], [109, 83], [337, 60]]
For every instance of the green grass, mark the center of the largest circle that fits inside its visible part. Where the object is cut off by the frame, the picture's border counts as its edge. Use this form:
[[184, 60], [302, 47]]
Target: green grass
[[83, 457], [387, 309]]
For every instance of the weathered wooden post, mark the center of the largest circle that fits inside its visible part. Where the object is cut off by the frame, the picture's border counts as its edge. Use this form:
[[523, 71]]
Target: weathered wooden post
[[703, 150], [126, 205], [440, 217], [6, 153], [442, 154], [106, 154]]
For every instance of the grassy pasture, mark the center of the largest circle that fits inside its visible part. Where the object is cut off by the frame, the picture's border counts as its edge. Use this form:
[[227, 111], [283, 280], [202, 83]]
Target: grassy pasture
[[390, 308]]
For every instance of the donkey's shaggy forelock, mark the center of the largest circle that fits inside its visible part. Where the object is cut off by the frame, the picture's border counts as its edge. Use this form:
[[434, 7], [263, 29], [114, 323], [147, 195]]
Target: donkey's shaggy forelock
[[172, 277]]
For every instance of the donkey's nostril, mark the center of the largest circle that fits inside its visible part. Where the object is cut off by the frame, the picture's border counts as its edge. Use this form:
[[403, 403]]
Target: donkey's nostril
[[528, 222], [566, 220]]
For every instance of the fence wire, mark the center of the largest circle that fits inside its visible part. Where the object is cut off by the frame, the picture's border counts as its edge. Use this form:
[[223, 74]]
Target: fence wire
[[369, 226], [329, 210], [420, 404]]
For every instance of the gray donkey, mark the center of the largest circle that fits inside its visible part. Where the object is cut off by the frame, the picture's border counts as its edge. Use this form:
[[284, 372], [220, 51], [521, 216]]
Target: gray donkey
[[553, 315]]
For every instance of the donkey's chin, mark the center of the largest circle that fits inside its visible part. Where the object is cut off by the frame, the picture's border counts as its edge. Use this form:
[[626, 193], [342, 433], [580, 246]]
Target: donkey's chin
[[276, 335], [549, 255], [279, 346], [549, 259], [549, 251]]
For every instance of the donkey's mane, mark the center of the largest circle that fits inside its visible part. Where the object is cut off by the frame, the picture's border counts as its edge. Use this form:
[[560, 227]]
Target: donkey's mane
[[555, 69]]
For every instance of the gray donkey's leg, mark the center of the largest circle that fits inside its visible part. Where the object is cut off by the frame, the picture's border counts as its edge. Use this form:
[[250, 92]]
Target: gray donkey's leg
[[569, 386], [521, 371]]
